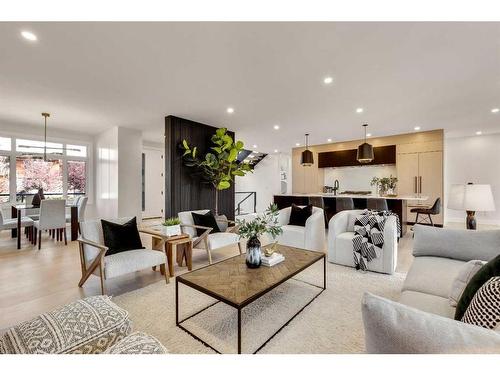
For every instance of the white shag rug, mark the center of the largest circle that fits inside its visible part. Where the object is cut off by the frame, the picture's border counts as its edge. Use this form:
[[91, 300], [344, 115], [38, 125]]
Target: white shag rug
[[332, 323]]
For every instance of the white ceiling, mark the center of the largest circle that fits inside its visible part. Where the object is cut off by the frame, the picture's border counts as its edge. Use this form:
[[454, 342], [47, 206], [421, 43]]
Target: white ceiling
[[92, 76]]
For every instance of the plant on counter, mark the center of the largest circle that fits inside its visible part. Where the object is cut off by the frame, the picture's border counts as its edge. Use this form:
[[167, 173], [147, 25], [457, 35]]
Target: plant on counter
[[220, 166], [385, 185], [267, 222]]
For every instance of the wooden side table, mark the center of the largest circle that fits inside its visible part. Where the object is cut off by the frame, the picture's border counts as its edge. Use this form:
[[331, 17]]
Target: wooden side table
[[162, 242]]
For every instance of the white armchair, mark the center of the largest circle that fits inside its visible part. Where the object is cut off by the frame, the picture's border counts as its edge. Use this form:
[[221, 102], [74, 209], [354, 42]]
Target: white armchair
[[209, 241], [310, 237], [340, 249], [94, 260]]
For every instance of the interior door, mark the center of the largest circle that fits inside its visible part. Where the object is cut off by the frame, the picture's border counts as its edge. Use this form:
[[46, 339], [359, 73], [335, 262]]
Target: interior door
[[407, 168], [430, 165], [153, 184]]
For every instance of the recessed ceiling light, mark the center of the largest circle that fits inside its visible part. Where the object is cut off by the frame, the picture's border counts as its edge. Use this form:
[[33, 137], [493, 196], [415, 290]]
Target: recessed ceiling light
[[368, 134], [495, 110], [297, 144], [29, 36], [254, 146], [276, 127], [479, 132], [328, 80], [230, 110], [417, 128], [275, 150], [359, 110], [329, 140]]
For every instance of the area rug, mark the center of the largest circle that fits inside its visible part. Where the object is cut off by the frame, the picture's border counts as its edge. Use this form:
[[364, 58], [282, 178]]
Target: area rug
[[332, 323]]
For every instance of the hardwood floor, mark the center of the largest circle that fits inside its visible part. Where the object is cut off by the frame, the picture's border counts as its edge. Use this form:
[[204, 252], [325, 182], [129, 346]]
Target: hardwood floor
[[35, 281]]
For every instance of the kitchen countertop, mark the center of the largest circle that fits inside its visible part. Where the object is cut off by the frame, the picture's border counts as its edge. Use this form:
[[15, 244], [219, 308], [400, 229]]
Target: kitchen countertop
[[369, 196]]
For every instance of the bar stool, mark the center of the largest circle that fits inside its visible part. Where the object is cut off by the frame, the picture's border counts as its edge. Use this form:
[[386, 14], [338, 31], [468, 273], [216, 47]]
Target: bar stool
[[377, 204], [434, 210], [343, 204]]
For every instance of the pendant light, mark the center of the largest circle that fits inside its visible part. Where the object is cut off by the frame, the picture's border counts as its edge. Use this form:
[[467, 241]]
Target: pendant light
[[365, 151], [307, 156], [45, 115]]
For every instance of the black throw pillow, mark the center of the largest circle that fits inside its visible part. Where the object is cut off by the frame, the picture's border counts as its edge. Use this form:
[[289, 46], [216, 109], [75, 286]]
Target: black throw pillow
[[205, 220], [486, 272], [298, 216], [121, 237]]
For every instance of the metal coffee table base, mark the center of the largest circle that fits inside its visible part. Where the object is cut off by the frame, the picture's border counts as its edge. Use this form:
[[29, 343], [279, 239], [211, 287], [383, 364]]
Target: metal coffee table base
[[239, 309]]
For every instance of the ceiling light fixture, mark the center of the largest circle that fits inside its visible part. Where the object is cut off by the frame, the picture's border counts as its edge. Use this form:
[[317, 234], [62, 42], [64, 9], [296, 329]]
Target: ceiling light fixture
[[45, 115], [276, 127], [329, 140], [416, 128], [365, 150], [495, 110], [29, 36], [328, 80], [368, 134], [230, 110], [275, 151], [254, 146], [297, 144], [359, 110], [307, 158], [479, 132]]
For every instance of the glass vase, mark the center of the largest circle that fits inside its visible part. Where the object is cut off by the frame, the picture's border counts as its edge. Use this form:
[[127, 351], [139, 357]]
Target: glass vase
[[253, 258]]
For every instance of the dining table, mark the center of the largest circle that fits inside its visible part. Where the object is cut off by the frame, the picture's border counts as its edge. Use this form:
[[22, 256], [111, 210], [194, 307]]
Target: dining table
[[17, 210]]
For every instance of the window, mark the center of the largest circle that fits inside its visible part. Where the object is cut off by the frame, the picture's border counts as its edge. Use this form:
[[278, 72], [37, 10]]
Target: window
[[4, 178], [74, 150], [33, 173], [77, 177], [38, 147], [4, 144]]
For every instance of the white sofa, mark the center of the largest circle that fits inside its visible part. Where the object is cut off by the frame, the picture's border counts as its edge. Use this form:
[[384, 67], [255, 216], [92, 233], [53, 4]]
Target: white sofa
[[340, 249], [310, 237], [422, 321]]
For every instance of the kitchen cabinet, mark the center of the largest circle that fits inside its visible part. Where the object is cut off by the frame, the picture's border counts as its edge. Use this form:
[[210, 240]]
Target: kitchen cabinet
[[421, 174]]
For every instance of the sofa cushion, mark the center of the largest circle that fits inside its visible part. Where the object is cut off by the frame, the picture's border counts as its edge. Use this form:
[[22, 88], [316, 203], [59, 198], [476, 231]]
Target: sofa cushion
[[489, 270], [391, 327], [484, 309], [131, 261], [432, 275], [461, 244], [292, 235], [299, 215], [89, 326], [468, 270], [218, 240], [137, 343], [428, 303], [121, 237]]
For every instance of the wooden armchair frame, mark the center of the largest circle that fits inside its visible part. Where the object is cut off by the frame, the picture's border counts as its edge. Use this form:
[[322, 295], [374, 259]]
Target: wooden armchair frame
[[204, 236], [99, 262]]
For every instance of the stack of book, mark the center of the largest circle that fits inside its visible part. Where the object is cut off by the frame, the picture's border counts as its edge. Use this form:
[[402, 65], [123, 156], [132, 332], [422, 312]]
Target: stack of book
[[272, 260]]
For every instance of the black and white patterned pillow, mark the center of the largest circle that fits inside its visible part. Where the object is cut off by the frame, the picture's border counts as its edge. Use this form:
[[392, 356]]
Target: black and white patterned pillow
[[484, 309]]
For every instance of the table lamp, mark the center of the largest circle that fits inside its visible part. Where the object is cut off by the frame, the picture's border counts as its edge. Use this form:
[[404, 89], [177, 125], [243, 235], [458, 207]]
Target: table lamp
[[471, 198]]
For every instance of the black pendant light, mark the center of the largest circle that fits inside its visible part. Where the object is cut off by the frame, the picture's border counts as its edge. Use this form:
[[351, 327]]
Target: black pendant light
[[365, 151], [45, 115], [307, 156]]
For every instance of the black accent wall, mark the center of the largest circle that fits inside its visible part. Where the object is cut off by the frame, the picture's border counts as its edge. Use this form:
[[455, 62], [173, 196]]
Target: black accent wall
[[183, 191]]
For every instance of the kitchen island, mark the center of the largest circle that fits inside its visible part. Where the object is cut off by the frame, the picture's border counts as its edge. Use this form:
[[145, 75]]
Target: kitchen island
[[327, 201]]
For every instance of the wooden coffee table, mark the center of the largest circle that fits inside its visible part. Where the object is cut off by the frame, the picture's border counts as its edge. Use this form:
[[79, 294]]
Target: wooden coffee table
[[236, 285]]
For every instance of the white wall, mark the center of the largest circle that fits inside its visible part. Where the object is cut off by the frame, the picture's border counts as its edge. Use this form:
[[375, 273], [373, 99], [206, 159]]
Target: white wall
[[473, 159], [265, 180], [106, 173], [358, 178]]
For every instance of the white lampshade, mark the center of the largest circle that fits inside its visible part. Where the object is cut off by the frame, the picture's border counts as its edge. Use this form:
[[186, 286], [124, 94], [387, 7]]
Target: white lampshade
[[473, 197]]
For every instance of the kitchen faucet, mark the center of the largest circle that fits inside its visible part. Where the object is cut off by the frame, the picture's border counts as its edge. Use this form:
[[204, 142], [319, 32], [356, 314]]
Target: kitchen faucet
[[335, 187]]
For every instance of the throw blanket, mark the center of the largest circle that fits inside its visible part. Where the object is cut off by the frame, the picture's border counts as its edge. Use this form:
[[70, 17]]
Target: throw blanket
[[369, 236]]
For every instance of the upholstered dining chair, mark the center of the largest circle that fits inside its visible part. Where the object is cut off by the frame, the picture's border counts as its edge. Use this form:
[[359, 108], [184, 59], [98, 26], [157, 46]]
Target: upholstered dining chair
[[52, 218], [94, 260], [207, 240], [377, 204], [81, 203], [6, 223]]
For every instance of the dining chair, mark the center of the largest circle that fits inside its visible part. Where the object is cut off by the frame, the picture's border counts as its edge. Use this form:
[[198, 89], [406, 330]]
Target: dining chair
[[52, 218], [26, 222], [33, 213], [81, 203]]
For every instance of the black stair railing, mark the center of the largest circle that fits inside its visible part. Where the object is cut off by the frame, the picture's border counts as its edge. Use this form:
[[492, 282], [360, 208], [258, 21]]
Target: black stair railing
[[246, 195]]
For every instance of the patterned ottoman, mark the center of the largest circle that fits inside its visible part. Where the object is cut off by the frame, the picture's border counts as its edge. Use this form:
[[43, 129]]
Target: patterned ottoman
[[137, 343], [91, 325]]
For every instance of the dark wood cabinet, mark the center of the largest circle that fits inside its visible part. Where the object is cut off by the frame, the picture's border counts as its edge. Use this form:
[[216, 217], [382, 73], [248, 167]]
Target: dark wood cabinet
[[347, 158]]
